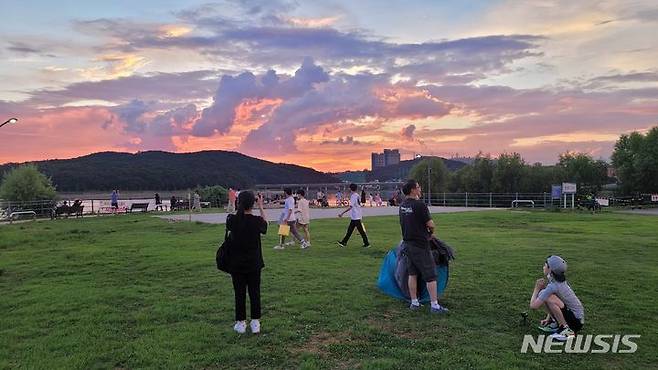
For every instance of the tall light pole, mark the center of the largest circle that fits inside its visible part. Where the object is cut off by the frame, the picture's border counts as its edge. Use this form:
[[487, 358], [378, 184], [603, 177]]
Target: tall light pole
[[11, 120]]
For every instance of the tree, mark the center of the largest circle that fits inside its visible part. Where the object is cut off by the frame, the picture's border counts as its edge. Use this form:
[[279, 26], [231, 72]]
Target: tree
[[479, 175], [216, 195], [636, 160], [508, 173], [580, 168], [25, 183], [439, 175]]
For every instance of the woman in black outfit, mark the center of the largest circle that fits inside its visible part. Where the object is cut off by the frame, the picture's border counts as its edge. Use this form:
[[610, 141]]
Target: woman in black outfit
[[246, 259]]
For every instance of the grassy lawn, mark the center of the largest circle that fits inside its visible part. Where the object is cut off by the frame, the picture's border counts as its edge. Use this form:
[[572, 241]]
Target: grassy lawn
[[134, 291]]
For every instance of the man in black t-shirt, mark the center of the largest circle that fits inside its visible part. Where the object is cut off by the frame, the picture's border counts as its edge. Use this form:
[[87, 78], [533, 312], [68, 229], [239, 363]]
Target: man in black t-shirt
[[417, 228]]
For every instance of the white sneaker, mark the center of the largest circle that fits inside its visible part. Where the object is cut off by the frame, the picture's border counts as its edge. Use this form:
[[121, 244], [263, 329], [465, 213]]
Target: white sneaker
[[255, 326], [305, 245], [278, 246], [240, 327]]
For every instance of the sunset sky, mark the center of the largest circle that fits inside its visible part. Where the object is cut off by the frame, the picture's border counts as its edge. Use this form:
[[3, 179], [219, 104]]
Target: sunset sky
[[323, 84]]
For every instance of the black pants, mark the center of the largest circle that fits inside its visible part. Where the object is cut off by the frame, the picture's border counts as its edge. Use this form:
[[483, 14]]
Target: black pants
[[241, 283], [350, 229]]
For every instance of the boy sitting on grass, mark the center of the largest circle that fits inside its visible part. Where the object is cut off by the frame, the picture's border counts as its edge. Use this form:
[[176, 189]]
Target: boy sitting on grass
[[566, 314]]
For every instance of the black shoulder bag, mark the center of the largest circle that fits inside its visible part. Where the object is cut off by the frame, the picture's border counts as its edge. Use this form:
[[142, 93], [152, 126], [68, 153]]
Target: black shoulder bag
[[222, 255]]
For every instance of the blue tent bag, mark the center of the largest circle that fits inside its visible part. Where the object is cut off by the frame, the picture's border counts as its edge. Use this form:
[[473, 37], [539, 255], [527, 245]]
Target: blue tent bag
[[392, 278]]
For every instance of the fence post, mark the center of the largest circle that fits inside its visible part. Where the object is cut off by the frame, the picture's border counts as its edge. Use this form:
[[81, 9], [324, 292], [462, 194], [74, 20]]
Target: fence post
[[444, 198], [490, 201], [517, 196], [466, 199], [92, 206]]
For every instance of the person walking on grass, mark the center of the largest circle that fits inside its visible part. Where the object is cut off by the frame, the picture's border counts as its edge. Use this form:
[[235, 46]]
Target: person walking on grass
[[356, 215], [246, 259], [417, 230], [565, 313], [304, 215], [289, 218]]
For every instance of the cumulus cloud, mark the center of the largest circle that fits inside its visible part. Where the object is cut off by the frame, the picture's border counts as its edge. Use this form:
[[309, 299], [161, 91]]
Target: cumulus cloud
[[220, 116]]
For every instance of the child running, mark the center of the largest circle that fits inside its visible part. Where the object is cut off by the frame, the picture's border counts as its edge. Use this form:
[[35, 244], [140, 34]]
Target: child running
[[566, 315]]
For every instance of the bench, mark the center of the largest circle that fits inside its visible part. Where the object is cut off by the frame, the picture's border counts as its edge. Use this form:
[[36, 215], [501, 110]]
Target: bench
[[515, 203], [143, 206], [14, 215]]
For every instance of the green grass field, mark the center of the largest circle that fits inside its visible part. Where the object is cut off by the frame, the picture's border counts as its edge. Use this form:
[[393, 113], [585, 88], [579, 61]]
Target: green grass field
[[138, 292]]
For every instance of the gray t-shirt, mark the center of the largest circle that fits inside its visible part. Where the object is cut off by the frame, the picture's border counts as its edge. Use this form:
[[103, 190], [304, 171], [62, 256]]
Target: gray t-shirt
[[563, 291]]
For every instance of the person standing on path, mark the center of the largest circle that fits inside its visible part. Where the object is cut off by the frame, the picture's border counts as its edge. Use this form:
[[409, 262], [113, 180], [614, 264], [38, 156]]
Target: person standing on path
[[356, 215], [231, 201], [114, 200], [197, 202]]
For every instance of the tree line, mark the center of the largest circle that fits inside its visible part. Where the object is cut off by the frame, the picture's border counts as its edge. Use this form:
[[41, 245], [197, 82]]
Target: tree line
[[635, 160]]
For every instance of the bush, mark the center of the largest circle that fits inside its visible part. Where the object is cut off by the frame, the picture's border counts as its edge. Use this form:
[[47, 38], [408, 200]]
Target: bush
[[216, 195], [25, 183]]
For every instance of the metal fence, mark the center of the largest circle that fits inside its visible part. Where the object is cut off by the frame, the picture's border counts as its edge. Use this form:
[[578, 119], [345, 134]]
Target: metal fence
[[46, 209], [536, 200]]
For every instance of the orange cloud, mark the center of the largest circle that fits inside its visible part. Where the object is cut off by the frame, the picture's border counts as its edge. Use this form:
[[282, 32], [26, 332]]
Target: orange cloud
[[61, 133]]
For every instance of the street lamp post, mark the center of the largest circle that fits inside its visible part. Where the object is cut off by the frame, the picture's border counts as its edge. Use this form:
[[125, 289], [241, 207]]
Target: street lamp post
[[11, 120]]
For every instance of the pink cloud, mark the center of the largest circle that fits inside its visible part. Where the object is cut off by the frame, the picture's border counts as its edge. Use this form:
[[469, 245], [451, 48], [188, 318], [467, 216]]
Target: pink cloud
[[61, 133]]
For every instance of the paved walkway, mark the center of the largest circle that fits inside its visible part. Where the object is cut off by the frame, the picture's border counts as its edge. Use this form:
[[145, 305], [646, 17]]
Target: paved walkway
[[317, 213], [647, 211]]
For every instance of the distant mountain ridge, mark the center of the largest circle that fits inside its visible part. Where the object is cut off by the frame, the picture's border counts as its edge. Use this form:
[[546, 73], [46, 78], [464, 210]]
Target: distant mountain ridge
[[170, 171]]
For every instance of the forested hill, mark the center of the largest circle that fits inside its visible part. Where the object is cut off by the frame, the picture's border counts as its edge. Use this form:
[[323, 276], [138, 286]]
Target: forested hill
[[170, 171]]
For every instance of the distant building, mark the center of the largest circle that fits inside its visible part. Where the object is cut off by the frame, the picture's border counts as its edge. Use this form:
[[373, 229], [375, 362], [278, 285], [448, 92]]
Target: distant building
[[377, 160], [389, 157]]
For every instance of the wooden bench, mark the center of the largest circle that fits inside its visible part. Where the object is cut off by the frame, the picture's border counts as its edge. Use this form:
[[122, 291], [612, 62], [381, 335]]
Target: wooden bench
[[143, 206]]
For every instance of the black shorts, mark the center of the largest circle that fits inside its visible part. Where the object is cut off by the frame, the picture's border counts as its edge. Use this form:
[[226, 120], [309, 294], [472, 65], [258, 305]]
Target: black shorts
[[115, 204], [420, 262], [574, 323]]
